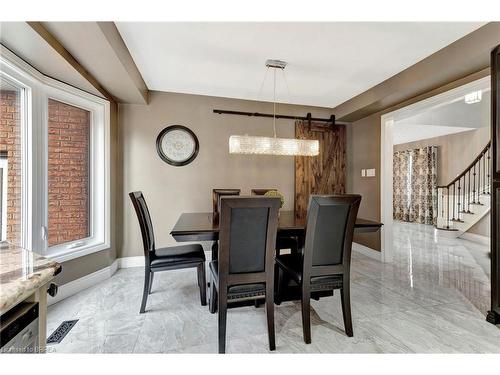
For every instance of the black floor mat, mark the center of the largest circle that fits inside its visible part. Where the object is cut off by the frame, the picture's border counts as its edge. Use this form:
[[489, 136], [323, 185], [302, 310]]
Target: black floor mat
[[57, 336]]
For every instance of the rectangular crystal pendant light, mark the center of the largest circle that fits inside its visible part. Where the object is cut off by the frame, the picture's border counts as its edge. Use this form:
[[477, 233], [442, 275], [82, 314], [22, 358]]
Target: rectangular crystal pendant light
[[245, 144]]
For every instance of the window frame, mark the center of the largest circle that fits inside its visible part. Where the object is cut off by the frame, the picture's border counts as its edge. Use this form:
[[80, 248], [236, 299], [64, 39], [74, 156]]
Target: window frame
[[4, 186], [28, 85], [39, 89]]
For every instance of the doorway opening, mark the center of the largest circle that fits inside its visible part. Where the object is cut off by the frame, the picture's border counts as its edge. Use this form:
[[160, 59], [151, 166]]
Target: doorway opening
[[436, 185]]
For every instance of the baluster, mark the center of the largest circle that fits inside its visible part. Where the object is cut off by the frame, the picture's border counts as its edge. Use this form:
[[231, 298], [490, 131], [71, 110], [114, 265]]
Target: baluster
[[463, 196], [468, 193], [447, 207], [453, 210], [484, 172], [442, 203], [479, 182], [474, 184], [459, 197]]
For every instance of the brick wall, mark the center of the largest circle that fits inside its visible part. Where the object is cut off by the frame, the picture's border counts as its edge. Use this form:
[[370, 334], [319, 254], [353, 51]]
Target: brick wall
[[68, 167], [10, 143]]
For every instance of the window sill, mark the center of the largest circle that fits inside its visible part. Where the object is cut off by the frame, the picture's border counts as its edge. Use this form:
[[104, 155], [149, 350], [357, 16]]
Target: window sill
[[64, 255]]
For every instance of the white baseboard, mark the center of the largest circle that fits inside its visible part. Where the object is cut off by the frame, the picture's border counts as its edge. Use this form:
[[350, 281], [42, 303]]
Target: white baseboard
[[483, 240], [94, 278], [82, 283], [129, 262], [374, 254]]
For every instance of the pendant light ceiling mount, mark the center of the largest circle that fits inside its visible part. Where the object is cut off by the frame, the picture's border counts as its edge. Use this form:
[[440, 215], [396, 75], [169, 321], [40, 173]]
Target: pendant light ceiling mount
[[277, 64], [245, 144]]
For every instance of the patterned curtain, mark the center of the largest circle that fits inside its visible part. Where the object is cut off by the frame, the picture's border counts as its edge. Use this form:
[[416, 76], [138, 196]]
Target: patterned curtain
[[400, 185], [415, 181], [423, 200]]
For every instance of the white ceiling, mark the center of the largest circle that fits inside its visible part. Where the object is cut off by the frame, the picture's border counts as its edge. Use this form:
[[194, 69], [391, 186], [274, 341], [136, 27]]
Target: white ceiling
[[444, 118], [329, 63], [405, 133]]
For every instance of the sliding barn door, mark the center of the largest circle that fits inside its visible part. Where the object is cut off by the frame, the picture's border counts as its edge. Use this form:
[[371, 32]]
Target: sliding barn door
[[322, 174], [494, 314]]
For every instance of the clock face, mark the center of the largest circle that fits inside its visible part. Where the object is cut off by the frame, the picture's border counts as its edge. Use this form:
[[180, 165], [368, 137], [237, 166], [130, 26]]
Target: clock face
[[177, 145]]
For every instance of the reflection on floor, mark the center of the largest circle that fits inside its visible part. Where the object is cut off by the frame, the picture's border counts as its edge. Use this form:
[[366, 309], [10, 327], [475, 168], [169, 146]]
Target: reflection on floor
[[431, 299]]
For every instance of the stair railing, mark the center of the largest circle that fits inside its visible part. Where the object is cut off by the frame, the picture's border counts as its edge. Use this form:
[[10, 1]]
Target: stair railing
[[455, 199]]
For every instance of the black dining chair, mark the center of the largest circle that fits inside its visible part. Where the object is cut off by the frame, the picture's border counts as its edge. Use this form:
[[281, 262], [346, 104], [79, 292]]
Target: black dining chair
[[326, 259], [244, 270], [216, 196], [166, 258], [218, 193]]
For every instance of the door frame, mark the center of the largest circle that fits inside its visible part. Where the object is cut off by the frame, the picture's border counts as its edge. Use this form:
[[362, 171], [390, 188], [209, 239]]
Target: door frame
[[387, 151], [494, 314]]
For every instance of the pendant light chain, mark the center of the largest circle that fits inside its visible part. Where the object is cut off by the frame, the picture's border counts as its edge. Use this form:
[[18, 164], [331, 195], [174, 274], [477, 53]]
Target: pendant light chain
[[259, 96], [287, 87]]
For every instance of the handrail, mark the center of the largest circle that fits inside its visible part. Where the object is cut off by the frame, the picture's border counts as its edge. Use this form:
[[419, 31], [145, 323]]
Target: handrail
[[481, 154]]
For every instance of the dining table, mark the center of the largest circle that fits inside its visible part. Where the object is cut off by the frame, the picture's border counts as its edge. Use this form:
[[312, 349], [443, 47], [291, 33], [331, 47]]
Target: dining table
[[204, 226]]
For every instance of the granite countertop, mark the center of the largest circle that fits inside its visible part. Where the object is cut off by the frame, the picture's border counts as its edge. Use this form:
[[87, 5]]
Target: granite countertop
[[21, 273]]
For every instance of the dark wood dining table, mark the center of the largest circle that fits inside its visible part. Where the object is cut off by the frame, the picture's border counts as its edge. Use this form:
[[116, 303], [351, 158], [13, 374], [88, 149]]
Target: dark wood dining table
[[204, 226]]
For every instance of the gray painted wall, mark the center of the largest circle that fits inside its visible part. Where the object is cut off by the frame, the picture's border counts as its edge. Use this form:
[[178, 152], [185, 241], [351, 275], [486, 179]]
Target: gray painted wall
[[172, 190], [363, 152]]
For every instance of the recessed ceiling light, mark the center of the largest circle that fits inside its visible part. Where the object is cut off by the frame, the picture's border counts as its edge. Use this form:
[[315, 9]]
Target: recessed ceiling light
[[474, 97]]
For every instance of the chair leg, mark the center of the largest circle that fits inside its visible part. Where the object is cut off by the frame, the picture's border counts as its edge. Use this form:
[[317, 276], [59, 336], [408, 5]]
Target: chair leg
[[345, 296], [150, 282], [279, 284], [202, 283], [270, 317], [213, 298], [215, 250], [306, 315], [147, 276], [222, 323]]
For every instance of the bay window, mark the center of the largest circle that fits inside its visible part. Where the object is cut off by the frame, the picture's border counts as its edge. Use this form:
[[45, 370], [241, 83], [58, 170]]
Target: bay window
[[54, 163]]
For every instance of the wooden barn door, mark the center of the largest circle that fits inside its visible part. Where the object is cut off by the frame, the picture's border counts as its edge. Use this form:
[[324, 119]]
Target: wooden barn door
[[322, 174]]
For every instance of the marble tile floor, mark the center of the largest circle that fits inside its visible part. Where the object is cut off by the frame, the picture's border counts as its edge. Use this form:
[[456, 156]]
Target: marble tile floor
[[431, 299]]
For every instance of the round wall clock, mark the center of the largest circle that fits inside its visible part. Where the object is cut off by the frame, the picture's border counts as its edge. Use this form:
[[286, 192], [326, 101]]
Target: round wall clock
[[177, 145]]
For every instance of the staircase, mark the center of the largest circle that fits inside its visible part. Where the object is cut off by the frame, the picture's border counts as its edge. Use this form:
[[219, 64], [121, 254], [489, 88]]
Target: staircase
[[465, 200]]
